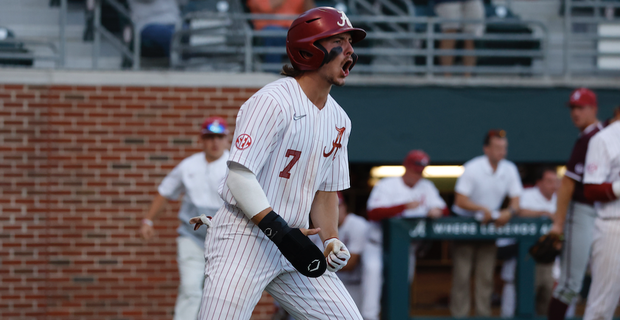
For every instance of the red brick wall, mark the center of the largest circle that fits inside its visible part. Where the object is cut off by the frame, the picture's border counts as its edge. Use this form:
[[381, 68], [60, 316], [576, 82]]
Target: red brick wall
[[78, 168]]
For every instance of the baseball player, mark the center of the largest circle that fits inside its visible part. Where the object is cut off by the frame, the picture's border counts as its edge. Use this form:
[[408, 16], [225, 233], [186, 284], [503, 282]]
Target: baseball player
[[536, 202], [602, 184], [575, 214], [407, 196], [353, 230], [289, 157], [198, 177]]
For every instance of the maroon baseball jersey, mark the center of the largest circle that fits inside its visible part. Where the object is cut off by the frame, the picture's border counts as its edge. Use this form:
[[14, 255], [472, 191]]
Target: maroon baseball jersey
[[575, 165]]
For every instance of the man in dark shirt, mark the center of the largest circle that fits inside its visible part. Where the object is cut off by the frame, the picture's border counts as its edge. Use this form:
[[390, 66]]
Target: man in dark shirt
[[575, 214]]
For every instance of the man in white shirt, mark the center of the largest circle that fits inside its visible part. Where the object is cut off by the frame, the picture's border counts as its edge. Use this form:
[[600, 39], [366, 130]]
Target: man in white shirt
[[408, 196], [479, 193], [536, 202], [198, 177]]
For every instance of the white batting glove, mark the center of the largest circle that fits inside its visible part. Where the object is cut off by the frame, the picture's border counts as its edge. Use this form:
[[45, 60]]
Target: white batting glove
[[199, 221], [338, 256]]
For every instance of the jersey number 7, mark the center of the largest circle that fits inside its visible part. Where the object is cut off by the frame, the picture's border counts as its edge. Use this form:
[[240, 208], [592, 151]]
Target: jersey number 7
[[286, 173]]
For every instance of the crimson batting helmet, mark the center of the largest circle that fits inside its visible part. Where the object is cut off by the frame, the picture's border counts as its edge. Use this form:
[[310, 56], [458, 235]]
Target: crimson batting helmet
[[311, 26]]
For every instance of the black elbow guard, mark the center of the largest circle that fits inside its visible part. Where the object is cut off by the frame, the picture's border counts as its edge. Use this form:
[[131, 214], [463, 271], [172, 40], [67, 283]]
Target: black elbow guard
[[294, 245]]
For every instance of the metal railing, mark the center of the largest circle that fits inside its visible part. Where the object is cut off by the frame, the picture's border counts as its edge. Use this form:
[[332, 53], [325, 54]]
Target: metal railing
[[125, 48], [11, 45], [583, 40], [376, 47], [395, 44]]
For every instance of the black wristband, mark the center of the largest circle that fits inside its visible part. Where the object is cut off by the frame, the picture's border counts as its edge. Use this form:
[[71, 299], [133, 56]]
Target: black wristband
[[274, 227]]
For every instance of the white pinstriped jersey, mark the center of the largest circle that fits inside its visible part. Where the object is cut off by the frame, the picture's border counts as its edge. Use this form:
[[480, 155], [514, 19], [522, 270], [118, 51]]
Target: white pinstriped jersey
[[603, 165], [292, 147], [393, 191]]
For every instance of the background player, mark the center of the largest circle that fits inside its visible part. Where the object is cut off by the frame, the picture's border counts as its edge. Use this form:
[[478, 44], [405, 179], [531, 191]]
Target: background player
[[353, 231], [289, 157], [602, 183], [407, 196], [536, 202], [198, 177], [575, 214]]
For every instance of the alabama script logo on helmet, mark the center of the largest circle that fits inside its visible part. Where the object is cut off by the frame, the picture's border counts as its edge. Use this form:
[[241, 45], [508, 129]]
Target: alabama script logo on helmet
[[313, 25], [345, 19]]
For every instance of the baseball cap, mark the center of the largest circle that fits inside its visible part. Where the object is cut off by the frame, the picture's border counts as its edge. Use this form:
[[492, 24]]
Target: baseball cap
[[493, 133], [582, 97], [214, 125], [416, 160]]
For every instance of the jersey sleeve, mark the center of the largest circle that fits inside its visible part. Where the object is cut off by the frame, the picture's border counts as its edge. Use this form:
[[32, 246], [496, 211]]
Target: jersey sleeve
[[172, 185], [576, 158], [337, 177], [516, 188], [526, 200], [465, 183], [357, 239], [434, 199], [598, 162], [259, 123], [378, 197]]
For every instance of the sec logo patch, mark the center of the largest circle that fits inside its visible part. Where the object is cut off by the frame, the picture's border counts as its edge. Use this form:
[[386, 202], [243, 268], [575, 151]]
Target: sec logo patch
[[243, 141], [592, 168]]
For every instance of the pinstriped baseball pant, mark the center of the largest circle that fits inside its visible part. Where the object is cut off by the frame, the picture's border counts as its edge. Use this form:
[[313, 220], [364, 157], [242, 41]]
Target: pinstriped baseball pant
[[241, 263], [605, 290], [578, 232]]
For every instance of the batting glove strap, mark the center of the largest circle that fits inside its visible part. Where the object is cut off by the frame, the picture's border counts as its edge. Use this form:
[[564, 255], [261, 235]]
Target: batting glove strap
[[338, 257], [205, 220], [200, 220], [274, 227]]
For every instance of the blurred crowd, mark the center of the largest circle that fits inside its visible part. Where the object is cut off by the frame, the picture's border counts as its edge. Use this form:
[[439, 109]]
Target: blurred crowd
[[156, 21]]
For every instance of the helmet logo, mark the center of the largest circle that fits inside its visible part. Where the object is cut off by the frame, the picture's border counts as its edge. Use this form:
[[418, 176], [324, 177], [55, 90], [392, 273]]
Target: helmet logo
[[345, 20]]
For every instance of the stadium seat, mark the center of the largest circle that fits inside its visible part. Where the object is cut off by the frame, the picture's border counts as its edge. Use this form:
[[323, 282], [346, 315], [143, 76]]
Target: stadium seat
[[13, 47], [512, 29]]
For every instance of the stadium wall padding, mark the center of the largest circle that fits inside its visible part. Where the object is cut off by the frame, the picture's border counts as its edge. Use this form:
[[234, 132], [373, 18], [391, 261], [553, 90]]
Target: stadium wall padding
[[449, 123]]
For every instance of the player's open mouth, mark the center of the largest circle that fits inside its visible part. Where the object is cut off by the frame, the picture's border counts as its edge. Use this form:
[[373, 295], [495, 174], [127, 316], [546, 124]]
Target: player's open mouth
[[346, 66]]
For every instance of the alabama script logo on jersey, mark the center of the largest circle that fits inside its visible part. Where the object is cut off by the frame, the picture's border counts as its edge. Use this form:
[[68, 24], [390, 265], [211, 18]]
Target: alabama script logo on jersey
[[336, 145]]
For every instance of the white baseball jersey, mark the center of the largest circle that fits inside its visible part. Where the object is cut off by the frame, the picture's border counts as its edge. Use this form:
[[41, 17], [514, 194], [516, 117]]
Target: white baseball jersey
[[390, 192], [603, 165], [531, 199], [292, 147], [199, 180]]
